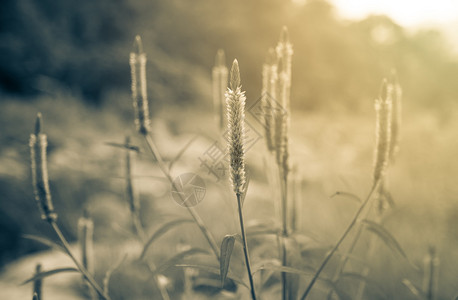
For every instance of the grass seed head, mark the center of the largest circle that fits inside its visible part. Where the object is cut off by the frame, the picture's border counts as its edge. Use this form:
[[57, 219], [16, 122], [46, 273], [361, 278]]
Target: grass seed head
[[137, 63], [38, 144], [235, 103], [396, 118], [267, 97], [383, 109]]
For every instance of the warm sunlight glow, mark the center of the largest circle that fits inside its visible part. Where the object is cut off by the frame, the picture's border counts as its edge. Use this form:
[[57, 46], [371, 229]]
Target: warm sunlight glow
[[405, 12]]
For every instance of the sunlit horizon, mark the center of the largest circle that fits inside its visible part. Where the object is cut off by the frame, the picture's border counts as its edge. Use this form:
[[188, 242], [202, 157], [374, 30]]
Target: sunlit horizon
[[409, 13]]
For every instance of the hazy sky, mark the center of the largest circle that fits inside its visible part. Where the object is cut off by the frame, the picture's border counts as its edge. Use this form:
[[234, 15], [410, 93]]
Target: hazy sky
[[405, 12]]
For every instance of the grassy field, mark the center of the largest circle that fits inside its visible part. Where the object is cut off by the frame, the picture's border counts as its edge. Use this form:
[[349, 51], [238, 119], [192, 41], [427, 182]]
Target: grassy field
[[305, 201]]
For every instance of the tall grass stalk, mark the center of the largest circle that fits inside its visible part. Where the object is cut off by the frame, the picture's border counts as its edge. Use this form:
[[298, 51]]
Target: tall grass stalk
[[40, 181], [134, 207], [38, 283], [219, 80], [431, 274], [39, 165], [141, 104], [395, 93], [235, 102], [284, 52], [385, 118], [383, 108], [269, 83], [86, 242]]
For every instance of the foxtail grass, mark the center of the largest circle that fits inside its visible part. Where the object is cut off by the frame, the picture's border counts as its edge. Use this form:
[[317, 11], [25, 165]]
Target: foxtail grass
[[269, 83], [235, 103], [383, 107], [43, 196], [38, 144], [142, 125], [139, 87]]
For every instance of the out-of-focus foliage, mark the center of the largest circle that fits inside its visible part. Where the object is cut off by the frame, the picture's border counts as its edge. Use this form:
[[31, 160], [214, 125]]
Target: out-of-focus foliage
[[337, 64]]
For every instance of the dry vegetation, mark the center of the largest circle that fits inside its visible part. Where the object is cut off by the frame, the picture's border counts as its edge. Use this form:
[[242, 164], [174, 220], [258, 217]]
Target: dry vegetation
[[292, 207]]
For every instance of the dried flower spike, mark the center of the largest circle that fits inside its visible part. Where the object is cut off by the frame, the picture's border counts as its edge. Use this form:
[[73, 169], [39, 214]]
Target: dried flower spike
[[38, 144], [235, 102], [137, 63], [396, 118], [383, 109], [269, 76]]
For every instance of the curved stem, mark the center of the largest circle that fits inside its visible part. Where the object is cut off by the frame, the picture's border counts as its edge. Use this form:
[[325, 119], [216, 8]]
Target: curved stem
[[197, 219], [245, 247], [345, 256], [80, 267], [342, 238]]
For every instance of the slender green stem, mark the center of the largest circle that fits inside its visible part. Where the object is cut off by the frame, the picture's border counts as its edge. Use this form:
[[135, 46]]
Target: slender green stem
[[197, 219], [342, 238], [137, 224], [345, 256], [245, 247], [370, 251], [80, 267], [284, 212], [284, 263]]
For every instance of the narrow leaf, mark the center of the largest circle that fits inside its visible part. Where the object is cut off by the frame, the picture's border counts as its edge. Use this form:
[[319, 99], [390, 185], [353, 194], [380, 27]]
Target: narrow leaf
[[178, 257], [212, 269], [387, 238], [162, 230], [226, 252], [42, 275], [414, 289], [45, 241], [363, 278], [124, 146], [347, 195], [245, 188], [269, 266], [109, 272]]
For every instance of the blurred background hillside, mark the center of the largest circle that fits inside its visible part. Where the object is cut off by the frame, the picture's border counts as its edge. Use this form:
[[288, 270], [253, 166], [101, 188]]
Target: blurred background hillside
[[69, 60]]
